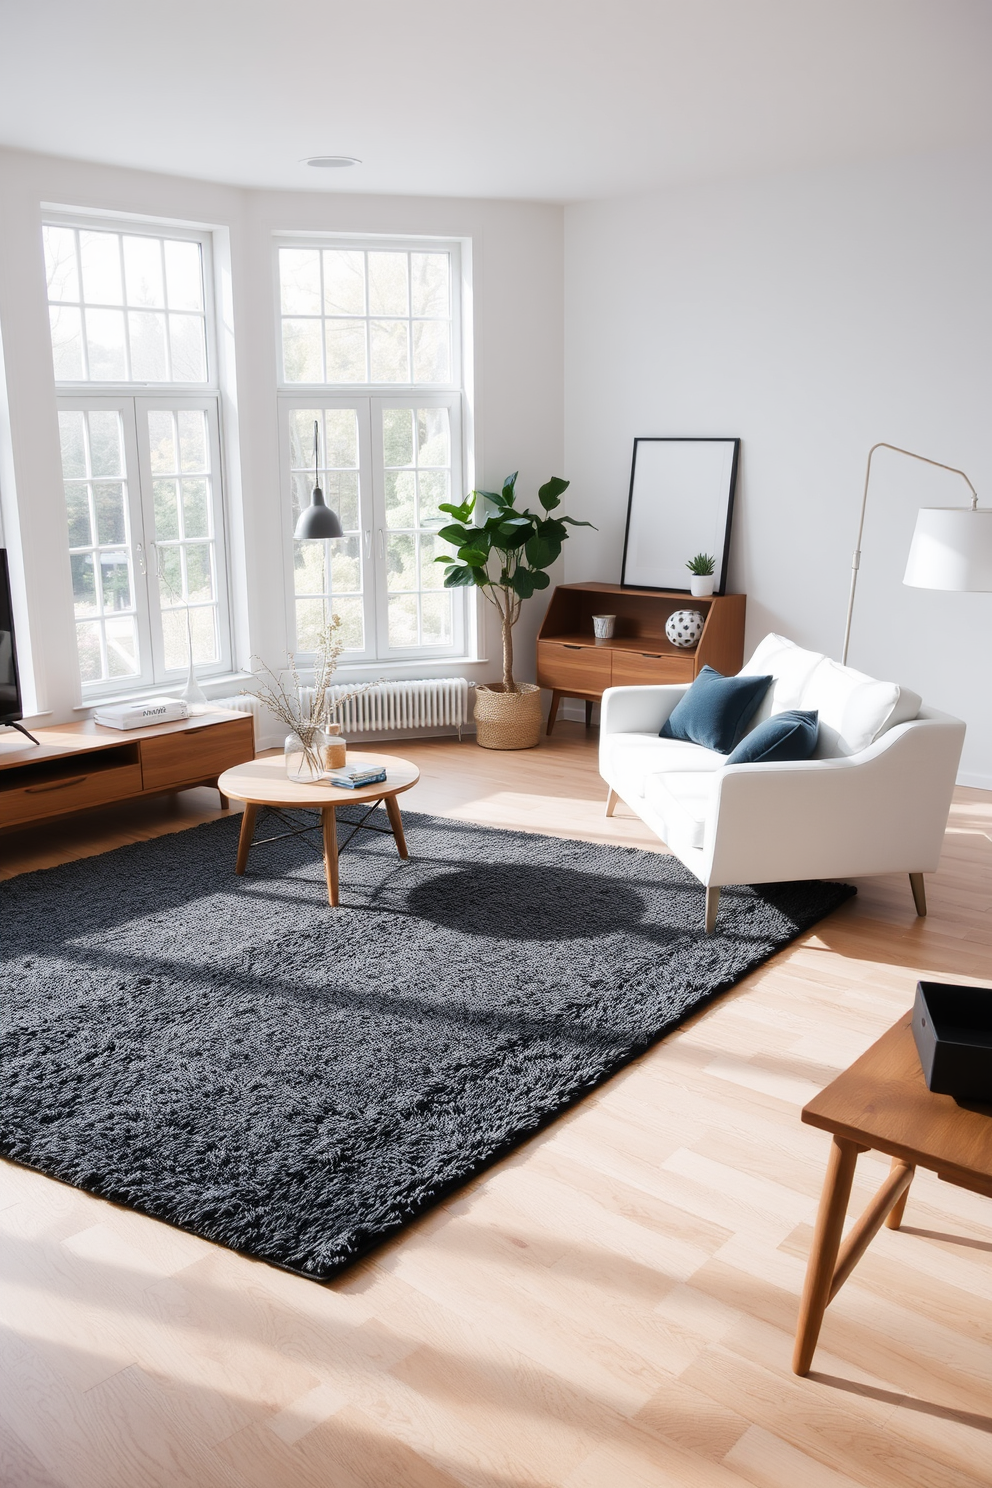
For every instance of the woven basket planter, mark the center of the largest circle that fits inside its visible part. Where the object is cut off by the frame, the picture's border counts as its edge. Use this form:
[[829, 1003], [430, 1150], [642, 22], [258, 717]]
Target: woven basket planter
[[508, 720]]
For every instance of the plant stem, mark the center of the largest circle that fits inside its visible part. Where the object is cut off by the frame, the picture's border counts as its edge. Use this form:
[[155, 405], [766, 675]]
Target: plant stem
[[508, 683]]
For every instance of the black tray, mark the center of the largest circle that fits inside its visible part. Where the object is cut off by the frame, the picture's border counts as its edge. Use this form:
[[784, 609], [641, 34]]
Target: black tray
[[952, 1027]]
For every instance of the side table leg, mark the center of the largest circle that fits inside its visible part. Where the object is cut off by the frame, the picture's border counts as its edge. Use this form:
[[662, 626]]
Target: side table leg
[[396, 822], [823, 1255], [244, 841], [330, 825]]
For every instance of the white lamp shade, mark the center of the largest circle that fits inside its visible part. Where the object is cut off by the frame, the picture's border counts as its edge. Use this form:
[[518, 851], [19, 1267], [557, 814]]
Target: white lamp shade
[[951, 549]]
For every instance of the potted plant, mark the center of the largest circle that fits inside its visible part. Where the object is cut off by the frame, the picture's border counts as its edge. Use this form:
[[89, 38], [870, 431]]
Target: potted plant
[[506, 555], [701, 568]]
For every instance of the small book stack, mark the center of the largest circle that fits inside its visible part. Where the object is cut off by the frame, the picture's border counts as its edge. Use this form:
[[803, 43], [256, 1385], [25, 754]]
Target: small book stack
[[353, 777], [140, 715]]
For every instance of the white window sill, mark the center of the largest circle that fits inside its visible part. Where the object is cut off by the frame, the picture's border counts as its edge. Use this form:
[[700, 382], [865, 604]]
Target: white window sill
[[213, 687]]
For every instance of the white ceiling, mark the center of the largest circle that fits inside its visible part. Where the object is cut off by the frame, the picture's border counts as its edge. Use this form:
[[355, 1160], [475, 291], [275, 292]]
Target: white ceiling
[[551, 99]]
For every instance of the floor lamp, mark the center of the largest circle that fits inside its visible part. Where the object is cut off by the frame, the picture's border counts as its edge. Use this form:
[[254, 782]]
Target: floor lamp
[[951, 547]]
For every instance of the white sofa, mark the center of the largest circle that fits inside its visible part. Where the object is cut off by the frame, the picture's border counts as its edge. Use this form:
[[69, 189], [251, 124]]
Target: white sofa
[[873, 799]]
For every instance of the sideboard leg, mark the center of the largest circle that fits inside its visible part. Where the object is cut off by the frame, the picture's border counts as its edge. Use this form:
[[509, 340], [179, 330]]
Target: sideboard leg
[[553, 710], [588, 712]]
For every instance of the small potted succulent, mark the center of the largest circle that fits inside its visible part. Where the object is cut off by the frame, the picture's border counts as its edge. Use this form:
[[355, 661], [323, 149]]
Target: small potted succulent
[[701, 570]]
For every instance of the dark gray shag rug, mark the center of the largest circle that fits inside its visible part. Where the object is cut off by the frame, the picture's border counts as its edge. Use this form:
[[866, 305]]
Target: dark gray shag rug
[[232, 1056]]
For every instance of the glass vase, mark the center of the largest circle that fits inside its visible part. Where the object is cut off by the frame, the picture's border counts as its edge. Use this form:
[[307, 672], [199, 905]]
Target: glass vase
[[305, 761]]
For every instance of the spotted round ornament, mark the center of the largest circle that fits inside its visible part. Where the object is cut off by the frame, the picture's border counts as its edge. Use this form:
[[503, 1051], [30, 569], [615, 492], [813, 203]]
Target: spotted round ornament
[[684, 627]]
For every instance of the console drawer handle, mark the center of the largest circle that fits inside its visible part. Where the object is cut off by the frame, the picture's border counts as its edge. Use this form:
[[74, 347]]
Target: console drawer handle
[[201, 730], [652, 655], [33, 790], [569, 647]]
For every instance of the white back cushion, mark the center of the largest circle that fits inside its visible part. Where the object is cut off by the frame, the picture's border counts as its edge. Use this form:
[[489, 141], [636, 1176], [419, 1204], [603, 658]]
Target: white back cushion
[[791, 668]]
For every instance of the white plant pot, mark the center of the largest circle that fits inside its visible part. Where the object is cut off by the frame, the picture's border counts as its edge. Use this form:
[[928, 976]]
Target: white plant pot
[[700, 585]]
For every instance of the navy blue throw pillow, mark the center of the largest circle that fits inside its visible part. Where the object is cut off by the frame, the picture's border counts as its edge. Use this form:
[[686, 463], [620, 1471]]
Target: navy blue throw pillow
[[716, 710], [784, 736]]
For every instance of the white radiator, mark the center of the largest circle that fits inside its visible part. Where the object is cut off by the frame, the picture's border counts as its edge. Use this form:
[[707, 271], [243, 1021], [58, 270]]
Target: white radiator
[[431, 703]]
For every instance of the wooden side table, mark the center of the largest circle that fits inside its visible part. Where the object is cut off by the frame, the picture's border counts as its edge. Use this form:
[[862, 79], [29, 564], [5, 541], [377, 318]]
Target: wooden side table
[[882, 1104], [264, 782]]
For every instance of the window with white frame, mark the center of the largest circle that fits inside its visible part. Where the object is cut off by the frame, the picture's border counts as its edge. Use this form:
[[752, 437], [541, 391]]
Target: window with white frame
[[369, 345], [140, 442]]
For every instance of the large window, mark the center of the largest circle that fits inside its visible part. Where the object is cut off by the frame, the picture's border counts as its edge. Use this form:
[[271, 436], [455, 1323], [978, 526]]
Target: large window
[[141, 467], [390, 449]]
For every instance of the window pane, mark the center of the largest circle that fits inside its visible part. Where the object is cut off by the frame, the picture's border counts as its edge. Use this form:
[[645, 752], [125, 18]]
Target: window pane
[[400, 498], [309, 568], [122, 646], [346, 566], [387, 284], [148, 358], [341, 438], [115, 580], [83, 584], [73, 447], [106, 444], [431, 351], [193, 439], [162, 442], [352, 623], [199, 572], [389, 344], [341, 494], [166, 509], [429, 283], [203, 624], [196, 509], [61, 269], [176, 632], [344, 281], [345, 350], [88, 650], [183, 275], [403, 621], [397, 436], [299, 281], [436, 619], [401, 562], [189, 352], [433, 437], [77, 506], [434, 487], [170, 577], [67, 344], [105, 345], [143, 272], [101, 263], [310, 621], [431, 573], [108, 501], [301, 422], [301, 358]]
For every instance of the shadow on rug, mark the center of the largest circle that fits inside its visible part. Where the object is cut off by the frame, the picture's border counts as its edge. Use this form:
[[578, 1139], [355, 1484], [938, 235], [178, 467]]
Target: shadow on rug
[[295, 1082]]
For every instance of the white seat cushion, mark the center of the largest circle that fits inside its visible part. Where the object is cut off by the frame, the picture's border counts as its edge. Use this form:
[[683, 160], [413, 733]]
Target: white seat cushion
[[684, 800], [636, 757]]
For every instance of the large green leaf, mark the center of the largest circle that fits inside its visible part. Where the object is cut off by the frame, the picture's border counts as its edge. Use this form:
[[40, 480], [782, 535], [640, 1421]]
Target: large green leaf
[[523, 582], [549, 494], [457, 535], [541, 553], [574, 522], [474, 557], [457, 578]]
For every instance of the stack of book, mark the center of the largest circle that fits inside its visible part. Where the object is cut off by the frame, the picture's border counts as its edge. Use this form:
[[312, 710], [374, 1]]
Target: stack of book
[[353, 777], [139, 715]]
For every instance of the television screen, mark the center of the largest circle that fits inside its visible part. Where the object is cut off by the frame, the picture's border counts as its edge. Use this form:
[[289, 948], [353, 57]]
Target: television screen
[[10, 692]]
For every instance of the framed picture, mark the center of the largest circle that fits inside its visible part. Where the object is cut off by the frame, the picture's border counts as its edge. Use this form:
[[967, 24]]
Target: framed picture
[[681, 503]]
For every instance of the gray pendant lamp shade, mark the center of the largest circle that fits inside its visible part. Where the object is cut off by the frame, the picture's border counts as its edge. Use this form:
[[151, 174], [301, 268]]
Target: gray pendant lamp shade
[[317, 521]]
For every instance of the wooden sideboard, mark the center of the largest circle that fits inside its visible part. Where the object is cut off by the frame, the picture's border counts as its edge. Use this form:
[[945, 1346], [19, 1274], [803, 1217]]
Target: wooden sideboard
[[573, 663], [79, 765]]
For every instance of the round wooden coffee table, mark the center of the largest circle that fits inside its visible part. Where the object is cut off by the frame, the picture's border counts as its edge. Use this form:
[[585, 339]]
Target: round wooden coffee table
[[264, 782]]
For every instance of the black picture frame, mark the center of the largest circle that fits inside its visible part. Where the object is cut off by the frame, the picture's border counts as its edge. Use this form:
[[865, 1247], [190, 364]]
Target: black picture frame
[[705, 507]]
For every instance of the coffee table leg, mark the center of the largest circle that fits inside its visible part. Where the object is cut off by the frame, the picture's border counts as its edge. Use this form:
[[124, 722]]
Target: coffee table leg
[[244, 841], [826, 1243], [331, 853], [396, 822]]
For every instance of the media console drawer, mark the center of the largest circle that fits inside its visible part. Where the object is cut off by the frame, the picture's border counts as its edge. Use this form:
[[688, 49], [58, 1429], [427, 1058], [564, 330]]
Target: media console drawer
[[561, 666], [195, 753], [631, 669], [73, 791]]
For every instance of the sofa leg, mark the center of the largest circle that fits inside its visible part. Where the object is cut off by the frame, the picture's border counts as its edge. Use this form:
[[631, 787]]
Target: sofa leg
[[919, 893], [712, 905], [611, 801]]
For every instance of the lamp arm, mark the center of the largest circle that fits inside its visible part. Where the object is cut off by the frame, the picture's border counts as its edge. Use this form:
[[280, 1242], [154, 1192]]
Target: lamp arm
[[856, 559]]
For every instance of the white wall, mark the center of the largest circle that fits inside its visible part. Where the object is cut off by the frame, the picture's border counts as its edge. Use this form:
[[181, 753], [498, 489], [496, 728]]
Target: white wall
[[811, 314], [516, 251]]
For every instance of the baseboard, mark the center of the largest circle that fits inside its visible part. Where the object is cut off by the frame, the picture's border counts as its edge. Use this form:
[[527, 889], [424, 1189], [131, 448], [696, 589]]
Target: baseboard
[[267, 739], [975, 782]]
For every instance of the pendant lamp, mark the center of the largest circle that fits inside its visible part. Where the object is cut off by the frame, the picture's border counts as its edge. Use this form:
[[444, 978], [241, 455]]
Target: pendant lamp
[[317, 521]]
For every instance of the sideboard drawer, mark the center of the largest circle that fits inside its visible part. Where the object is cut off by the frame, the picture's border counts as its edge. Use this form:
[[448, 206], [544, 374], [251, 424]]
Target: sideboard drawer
[[634, 669], [560, 666], [195, 753], [72, 792]]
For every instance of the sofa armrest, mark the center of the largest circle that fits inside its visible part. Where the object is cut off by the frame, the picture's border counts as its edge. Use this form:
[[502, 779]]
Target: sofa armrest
[[879, 811], [638, 710]]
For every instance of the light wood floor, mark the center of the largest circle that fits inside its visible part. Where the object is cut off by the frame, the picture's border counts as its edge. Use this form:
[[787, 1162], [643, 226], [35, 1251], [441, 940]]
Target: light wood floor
[[611, 1307]]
